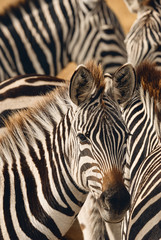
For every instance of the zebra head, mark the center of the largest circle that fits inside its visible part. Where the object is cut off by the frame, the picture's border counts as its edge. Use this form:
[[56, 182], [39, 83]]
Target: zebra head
[[99, 136]]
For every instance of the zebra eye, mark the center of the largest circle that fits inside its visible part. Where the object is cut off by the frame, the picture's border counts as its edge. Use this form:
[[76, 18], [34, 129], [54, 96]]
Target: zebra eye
[[83, 138]]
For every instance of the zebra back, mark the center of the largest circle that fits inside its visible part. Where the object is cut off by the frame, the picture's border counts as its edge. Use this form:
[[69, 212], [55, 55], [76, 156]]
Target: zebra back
[[42, 36], [143, 42], [23, 91]]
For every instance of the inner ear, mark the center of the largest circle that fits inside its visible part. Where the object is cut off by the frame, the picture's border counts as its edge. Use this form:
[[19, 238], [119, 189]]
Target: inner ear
[[81, 85], [124, 83]]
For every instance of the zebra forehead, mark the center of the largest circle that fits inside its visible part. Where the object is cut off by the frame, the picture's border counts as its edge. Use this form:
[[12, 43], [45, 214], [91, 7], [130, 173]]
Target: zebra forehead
[[97, 73]]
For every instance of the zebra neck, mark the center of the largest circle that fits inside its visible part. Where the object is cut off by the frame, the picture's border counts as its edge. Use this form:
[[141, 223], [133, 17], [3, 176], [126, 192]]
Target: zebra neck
[[140, 118]]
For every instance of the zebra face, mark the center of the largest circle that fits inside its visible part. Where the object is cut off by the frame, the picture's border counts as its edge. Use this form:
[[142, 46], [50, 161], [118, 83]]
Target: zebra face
[[99, 137]]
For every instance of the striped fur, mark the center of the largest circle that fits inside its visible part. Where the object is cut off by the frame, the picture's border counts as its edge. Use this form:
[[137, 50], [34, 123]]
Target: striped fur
[[143, 42], [136, 6], [22, 91], [54, 153], [141, 118], [42, 36], [145, 212]]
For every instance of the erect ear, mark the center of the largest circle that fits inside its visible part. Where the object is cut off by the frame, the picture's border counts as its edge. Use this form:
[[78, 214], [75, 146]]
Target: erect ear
[[124, 82], [81, 85]]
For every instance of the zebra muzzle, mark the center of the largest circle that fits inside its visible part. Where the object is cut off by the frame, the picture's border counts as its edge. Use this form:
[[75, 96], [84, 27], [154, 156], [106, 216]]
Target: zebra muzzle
[[114, 203], [114, 200]]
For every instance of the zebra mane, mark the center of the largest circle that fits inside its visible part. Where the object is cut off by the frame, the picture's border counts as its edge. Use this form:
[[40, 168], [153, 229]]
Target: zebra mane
[[150, 79], [97, 74], [28, 123]]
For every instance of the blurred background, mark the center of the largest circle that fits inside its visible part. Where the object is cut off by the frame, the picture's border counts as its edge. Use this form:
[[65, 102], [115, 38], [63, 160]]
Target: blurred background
[[118, 6]]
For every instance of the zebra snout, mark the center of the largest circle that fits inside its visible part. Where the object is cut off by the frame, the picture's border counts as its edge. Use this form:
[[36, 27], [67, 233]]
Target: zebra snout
[[113, 203]]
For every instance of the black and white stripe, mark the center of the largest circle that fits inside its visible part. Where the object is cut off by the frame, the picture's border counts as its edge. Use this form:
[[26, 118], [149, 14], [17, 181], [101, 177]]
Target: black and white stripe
[[142, 121], [143, 42], [54, 153], [144, 217], [23, 91], [42, 36]]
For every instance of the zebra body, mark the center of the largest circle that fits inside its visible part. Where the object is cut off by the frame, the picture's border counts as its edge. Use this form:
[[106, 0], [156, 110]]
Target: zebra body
[[142, 116], [42, 36], [143, 42], [54, 153], [145, 212]]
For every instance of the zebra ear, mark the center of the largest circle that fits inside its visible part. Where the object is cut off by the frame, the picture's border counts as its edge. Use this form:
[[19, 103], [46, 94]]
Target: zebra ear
[[81, 85], [124, 82]]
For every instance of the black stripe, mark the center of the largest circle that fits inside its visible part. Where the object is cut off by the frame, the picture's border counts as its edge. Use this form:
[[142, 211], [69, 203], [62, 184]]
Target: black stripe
[[24, 221], [35, 206], [148, 214], [31, 78], [25, 90], [6, 204]]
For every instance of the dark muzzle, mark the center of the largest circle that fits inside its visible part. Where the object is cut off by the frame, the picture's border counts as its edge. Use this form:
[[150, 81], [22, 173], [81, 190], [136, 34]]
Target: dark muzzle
[[113, 203]]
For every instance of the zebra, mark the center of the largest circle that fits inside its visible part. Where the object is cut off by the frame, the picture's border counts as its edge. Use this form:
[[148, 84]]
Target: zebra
[[143, 42], [21, 92], [42, 36], [144, 217], [142, 117], [71, 142], [138, 114]]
